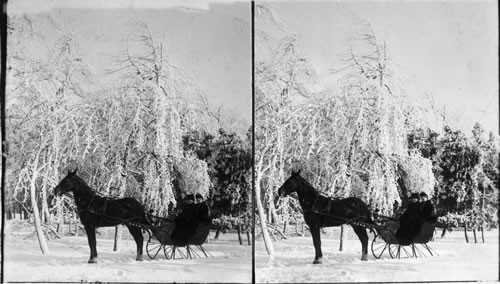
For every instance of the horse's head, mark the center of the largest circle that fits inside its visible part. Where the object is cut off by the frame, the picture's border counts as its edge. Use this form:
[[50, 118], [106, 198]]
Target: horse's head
[[67, 184], [291, 184]]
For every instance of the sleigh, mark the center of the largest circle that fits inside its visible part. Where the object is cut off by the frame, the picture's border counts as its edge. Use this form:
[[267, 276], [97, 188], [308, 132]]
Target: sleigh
[[160, 240], [385, 240]]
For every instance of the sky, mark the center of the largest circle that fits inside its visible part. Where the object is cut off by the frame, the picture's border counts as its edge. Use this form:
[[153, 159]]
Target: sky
[[211, 41], [449, 48]]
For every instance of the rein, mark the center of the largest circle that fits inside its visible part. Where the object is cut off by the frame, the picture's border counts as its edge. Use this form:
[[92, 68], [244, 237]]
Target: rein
[[94, 194], [328, 206], [101, 212], [152, 228], [347, 221], [108, 216]]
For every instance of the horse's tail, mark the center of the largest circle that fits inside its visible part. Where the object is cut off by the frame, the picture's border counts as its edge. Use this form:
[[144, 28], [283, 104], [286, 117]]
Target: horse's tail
[[365, 215], [370, 221], [147, 218], [141, 213]]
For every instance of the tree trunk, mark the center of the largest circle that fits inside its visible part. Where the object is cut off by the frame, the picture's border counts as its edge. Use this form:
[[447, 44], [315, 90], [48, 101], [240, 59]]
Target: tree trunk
[[43, 218], [118, 238], [60, 226], [482, 233], [45, 206], [58, 216], [217, 233], [475, 238], [248, 238], [262, 216], [342, 235], [274, 219], [268, 215], [59, 229], [38, 224], [465, 232], [239, 235]]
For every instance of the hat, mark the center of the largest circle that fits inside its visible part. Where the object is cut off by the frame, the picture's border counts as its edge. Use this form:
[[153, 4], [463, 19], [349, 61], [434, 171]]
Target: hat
[[423, 194], [414, 195], [199, 196]]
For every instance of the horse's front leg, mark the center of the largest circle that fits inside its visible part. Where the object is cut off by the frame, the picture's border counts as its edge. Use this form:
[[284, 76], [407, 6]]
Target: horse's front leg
[[139, 240], [92, 243], [316, 236]]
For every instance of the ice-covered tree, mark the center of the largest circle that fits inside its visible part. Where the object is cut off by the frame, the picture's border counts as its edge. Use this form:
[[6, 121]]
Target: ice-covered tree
[[38, 87], [125, 139], [161, 95]]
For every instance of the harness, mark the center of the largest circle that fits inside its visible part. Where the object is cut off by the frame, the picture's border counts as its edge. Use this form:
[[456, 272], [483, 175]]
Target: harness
[[93, 211], [328, 216], [102, 213], [328, 206]]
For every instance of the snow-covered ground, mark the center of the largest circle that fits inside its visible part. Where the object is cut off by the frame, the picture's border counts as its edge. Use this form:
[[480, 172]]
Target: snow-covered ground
[[231, 262], [67, 261], [457, 261]]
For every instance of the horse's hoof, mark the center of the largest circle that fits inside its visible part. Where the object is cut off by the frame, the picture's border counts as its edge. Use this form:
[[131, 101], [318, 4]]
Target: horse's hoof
[[364, 258], [139, 259], [92, 261], [317, 261]]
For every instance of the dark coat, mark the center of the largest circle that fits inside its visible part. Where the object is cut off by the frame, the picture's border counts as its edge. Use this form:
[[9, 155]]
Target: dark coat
[[185, 225], [410, 224], [427, 211], [203, 212], [188, 212]]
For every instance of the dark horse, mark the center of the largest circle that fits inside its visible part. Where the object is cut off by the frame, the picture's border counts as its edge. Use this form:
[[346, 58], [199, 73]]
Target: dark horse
[[96, 211], [320, 211]]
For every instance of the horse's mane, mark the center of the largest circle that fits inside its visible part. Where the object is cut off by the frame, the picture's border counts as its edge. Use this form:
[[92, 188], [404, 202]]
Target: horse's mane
[[312, 189], [308, 186], [83, 185]]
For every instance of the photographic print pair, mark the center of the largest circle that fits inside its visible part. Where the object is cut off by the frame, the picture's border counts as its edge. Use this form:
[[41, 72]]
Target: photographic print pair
[[250, 142]]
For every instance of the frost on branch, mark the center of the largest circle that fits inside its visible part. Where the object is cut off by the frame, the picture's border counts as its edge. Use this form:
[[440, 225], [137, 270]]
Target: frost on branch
[[194, 174]]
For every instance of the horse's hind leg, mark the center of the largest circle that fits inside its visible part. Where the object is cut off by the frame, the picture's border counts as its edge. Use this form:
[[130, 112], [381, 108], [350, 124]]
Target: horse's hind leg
[[136, 232], [92, 243], [316, 236], [363, 237]]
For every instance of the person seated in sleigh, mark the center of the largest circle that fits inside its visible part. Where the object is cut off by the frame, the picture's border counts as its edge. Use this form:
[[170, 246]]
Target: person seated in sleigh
[[186, 222], [202, 209], [427, 210], [410, 222]]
